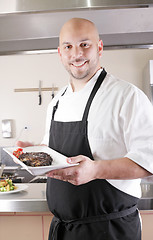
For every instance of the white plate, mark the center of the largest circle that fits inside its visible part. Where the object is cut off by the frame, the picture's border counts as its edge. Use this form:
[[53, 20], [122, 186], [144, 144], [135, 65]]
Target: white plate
[[59, 160], [20, 187]]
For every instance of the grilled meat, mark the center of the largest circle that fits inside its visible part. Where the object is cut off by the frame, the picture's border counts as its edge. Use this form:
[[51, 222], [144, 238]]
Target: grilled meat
[[36, 159]]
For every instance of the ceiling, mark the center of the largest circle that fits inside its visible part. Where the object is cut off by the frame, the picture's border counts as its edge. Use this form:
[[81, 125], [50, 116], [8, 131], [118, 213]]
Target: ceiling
[[33, 26]]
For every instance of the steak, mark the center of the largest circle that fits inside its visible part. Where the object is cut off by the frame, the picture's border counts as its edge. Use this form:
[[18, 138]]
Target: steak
[[36, 159]]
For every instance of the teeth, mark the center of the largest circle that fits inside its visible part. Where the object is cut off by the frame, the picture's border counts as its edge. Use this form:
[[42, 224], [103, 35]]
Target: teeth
[[78, 65]]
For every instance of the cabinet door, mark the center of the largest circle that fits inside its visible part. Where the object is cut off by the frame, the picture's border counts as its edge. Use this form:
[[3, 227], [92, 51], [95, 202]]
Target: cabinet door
[[147, 225], [25, 226]]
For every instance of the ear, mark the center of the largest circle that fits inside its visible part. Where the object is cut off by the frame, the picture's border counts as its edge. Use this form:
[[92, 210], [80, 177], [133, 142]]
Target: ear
[[59, 52], [100, 47]]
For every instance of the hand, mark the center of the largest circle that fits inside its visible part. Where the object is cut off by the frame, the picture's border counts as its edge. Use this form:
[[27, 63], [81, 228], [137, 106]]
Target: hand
[[24, 144], [79, 174]]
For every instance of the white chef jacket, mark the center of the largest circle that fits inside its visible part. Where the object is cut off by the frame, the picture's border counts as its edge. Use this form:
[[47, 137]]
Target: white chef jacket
[[120, 123]]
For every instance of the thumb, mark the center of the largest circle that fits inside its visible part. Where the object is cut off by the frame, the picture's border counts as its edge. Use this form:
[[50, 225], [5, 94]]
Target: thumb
[[74, 160]]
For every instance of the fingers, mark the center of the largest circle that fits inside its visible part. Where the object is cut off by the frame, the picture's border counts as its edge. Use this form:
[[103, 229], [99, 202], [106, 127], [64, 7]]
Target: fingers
[[77, 159], [67, 174], [23, 144], [74, 174], [60, 174]]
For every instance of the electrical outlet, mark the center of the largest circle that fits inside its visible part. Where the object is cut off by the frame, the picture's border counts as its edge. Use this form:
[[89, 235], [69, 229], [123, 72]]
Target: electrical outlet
[[26, 127]]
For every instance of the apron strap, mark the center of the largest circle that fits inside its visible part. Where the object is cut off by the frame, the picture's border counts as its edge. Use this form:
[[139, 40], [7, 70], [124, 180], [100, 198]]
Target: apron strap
[[93, 93], [105, 217], [56, 106], [94, 90]]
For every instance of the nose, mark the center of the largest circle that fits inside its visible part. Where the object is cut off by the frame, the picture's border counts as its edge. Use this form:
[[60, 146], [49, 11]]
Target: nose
[[77, 52]]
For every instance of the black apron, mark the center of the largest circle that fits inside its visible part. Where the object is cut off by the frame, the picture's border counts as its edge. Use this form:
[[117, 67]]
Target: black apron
[[95, 210]]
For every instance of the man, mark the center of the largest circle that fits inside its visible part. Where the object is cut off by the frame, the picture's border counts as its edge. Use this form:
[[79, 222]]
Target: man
[[104, 125]]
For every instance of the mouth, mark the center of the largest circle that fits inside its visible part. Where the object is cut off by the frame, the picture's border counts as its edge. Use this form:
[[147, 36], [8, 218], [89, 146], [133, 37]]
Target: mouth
[[79, 64]]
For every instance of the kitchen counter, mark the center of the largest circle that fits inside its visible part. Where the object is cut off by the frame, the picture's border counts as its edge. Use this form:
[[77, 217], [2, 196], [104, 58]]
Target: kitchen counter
[[29, 208], [33, 199], [146, 201]]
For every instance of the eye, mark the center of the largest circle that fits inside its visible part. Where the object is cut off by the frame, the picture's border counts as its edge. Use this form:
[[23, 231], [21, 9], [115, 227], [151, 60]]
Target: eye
[[84, 45], [68, 47]]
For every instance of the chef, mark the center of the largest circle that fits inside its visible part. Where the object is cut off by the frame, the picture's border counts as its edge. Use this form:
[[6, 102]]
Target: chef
[[103, 125]]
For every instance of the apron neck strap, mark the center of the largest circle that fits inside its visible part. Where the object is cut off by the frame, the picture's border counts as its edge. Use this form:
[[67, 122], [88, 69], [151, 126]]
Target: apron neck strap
[[93, 93], [56, 106]]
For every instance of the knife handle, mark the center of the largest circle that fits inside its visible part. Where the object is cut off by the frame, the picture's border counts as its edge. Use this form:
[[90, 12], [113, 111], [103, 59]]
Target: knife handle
[[39, 99]]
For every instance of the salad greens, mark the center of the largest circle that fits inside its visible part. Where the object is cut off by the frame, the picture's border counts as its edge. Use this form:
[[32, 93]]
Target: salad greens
[[7, 185]]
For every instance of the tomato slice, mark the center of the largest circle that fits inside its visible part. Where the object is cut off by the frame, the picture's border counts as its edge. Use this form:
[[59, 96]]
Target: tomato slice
[[18, 152]]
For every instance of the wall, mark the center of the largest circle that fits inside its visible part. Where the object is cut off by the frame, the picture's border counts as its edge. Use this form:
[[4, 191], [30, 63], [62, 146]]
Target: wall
[[25, 71]]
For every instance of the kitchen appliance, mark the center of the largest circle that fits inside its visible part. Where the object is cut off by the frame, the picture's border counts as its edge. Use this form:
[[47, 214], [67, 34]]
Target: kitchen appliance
[[36, 23]]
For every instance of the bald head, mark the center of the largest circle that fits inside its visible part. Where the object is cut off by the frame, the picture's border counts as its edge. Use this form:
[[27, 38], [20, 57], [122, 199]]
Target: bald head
[[80, 49], [77, 25]]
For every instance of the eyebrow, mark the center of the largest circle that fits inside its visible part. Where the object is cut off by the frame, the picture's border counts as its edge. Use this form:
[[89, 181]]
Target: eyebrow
[[83, 40], [65, 43]]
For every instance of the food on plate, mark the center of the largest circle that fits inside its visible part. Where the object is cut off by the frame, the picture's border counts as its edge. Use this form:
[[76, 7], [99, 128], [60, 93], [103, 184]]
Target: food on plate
[[36, 159], [7, 185], [33, 159], [18, 152]]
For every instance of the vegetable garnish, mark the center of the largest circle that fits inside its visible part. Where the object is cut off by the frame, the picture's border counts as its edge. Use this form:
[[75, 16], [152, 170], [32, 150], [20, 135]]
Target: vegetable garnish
[[18, 152], [7, 185]]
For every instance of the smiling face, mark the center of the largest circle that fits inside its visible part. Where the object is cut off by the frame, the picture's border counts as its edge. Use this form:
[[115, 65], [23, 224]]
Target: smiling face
[[80, 49]]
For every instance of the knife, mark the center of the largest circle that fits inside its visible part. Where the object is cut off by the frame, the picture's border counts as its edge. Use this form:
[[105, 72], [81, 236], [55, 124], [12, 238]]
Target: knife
[[39, 92], [53, 95]]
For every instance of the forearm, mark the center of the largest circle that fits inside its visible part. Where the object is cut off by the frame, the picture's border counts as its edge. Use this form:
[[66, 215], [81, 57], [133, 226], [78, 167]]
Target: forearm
[[122, 168], [88, 170]]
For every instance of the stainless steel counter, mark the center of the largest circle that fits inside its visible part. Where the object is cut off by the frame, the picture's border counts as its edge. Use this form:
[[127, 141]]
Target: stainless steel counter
[[33, 199]]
